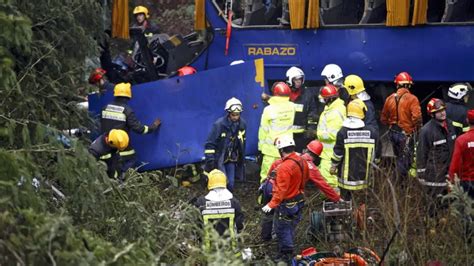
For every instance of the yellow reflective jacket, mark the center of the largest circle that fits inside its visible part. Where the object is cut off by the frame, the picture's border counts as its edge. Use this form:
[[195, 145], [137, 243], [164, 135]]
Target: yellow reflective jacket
[[329, 124], [277, 120]]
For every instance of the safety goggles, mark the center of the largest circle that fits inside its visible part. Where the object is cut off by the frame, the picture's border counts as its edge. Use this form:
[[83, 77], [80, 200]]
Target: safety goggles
[[235, 108]]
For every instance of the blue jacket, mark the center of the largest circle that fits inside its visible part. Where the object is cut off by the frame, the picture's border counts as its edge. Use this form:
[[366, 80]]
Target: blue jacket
[[220, 140]]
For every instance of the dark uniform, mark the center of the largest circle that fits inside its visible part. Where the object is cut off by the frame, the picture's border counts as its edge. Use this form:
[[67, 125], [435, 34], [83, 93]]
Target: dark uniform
[[225, 149], [433, 156], [223, 213], [456, 111], [101, 150], [369, 119], [306, 117], [353, 152], [118, 115]]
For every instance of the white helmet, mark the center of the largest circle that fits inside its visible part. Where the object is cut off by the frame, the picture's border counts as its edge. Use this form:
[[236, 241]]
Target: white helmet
[[237, 62], [233, 105], [332, 72], [458, 91], [292, 73], [284, 141]]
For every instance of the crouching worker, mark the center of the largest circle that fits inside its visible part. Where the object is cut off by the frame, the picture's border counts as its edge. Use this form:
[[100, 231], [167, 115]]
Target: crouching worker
[[107, 148], [220, 208]]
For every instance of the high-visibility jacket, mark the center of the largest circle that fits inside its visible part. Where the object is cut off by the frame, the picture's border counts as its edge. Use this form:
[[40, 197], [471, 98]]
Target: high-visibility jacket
[[462, 162], [330, 122], [456, 111], [118, 115], [277, 120], [433, 153], [403, 110], [100, 150], [355, 149], [223, 210]]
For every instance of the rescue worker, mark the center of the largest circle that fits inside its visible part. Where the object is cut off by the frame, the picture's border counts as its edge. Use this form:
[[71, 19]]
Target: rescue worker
[[402, 113], [311, 155], [288, 198], [333, 75], [462, 163], [456, 109], [98, 78], [433, 153], [355, 149], [118, 115], [220, 208], [107, 148], [306, 112], [330, 122], [142, 21], [356, 89], [186, 70], [277, 120], [225, 145]]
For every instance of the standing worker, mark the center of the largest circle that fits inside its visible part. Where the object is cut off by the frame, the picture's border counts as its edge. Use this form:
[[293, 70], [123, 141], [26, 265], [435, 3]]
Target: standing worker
[[288, 198], [107, 148], [330, 122], [277, 120], [225, 145], [456, 109], [402, 113], [355, 149], [462, 163], [355, 86], [306, 120], [221, 208], [433, 153], [118, 115]]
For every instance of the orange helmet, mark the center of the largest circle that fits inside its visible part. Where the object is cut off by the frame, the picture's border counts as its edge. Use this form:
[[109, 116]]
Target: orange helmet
[[403, 78], [281, 89], [96, 75], [315, 147], [435, 105], [329, 91], [186, 70]]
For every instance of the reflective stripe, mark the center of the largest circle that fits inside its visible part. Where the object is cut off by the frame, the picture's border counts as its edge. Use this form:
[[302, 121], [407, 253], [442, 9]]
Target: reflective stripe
[[327, 145], [114, 116], [297, 129], [241, 135], [105, 157], [218, 211], [439, 142], [115, 108], [465, 129], [209, 151], [359, 140], [299, 107], [125, 153], [280, 128], [422, 170], [432, 184], [457, 124], [145, 130], [358, 184], [219, 214]]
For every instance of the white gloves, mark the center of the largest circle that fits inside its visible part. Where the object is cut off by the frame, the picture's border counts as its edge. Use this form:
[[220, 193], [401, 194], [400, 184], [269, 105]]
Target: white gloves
[[266, 209]]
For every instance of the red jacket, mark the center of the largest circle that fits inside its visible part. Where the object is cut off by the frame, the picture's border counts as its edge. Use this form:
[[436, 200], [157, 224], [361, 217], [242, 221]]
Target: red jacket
[[314, 175], [462, 162], [318, 180], [292, 175]]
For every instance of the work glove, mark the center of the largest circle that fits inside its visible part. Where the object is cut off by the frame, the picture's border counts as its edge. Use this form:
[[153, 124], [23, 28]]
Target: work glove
[[333, 170], [155, 124], [266, 209], [265, 97]]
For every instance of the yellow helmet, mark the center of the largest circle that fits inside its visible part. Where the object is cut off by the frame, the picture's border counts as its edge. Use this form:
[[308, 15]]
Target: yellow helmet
[[123, 89], [141, 9], [118, 139], [354, 84], [356, 108], [217, 179]]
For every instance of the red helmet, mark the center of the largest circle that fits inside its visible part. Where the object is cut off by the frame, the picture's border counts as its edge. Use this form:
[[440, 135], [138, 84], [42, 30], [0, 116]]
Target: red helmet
[[96, 75], [186, 70], [315, 147], [403, 78], [281, 89], [329, 91], [435, 105]]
